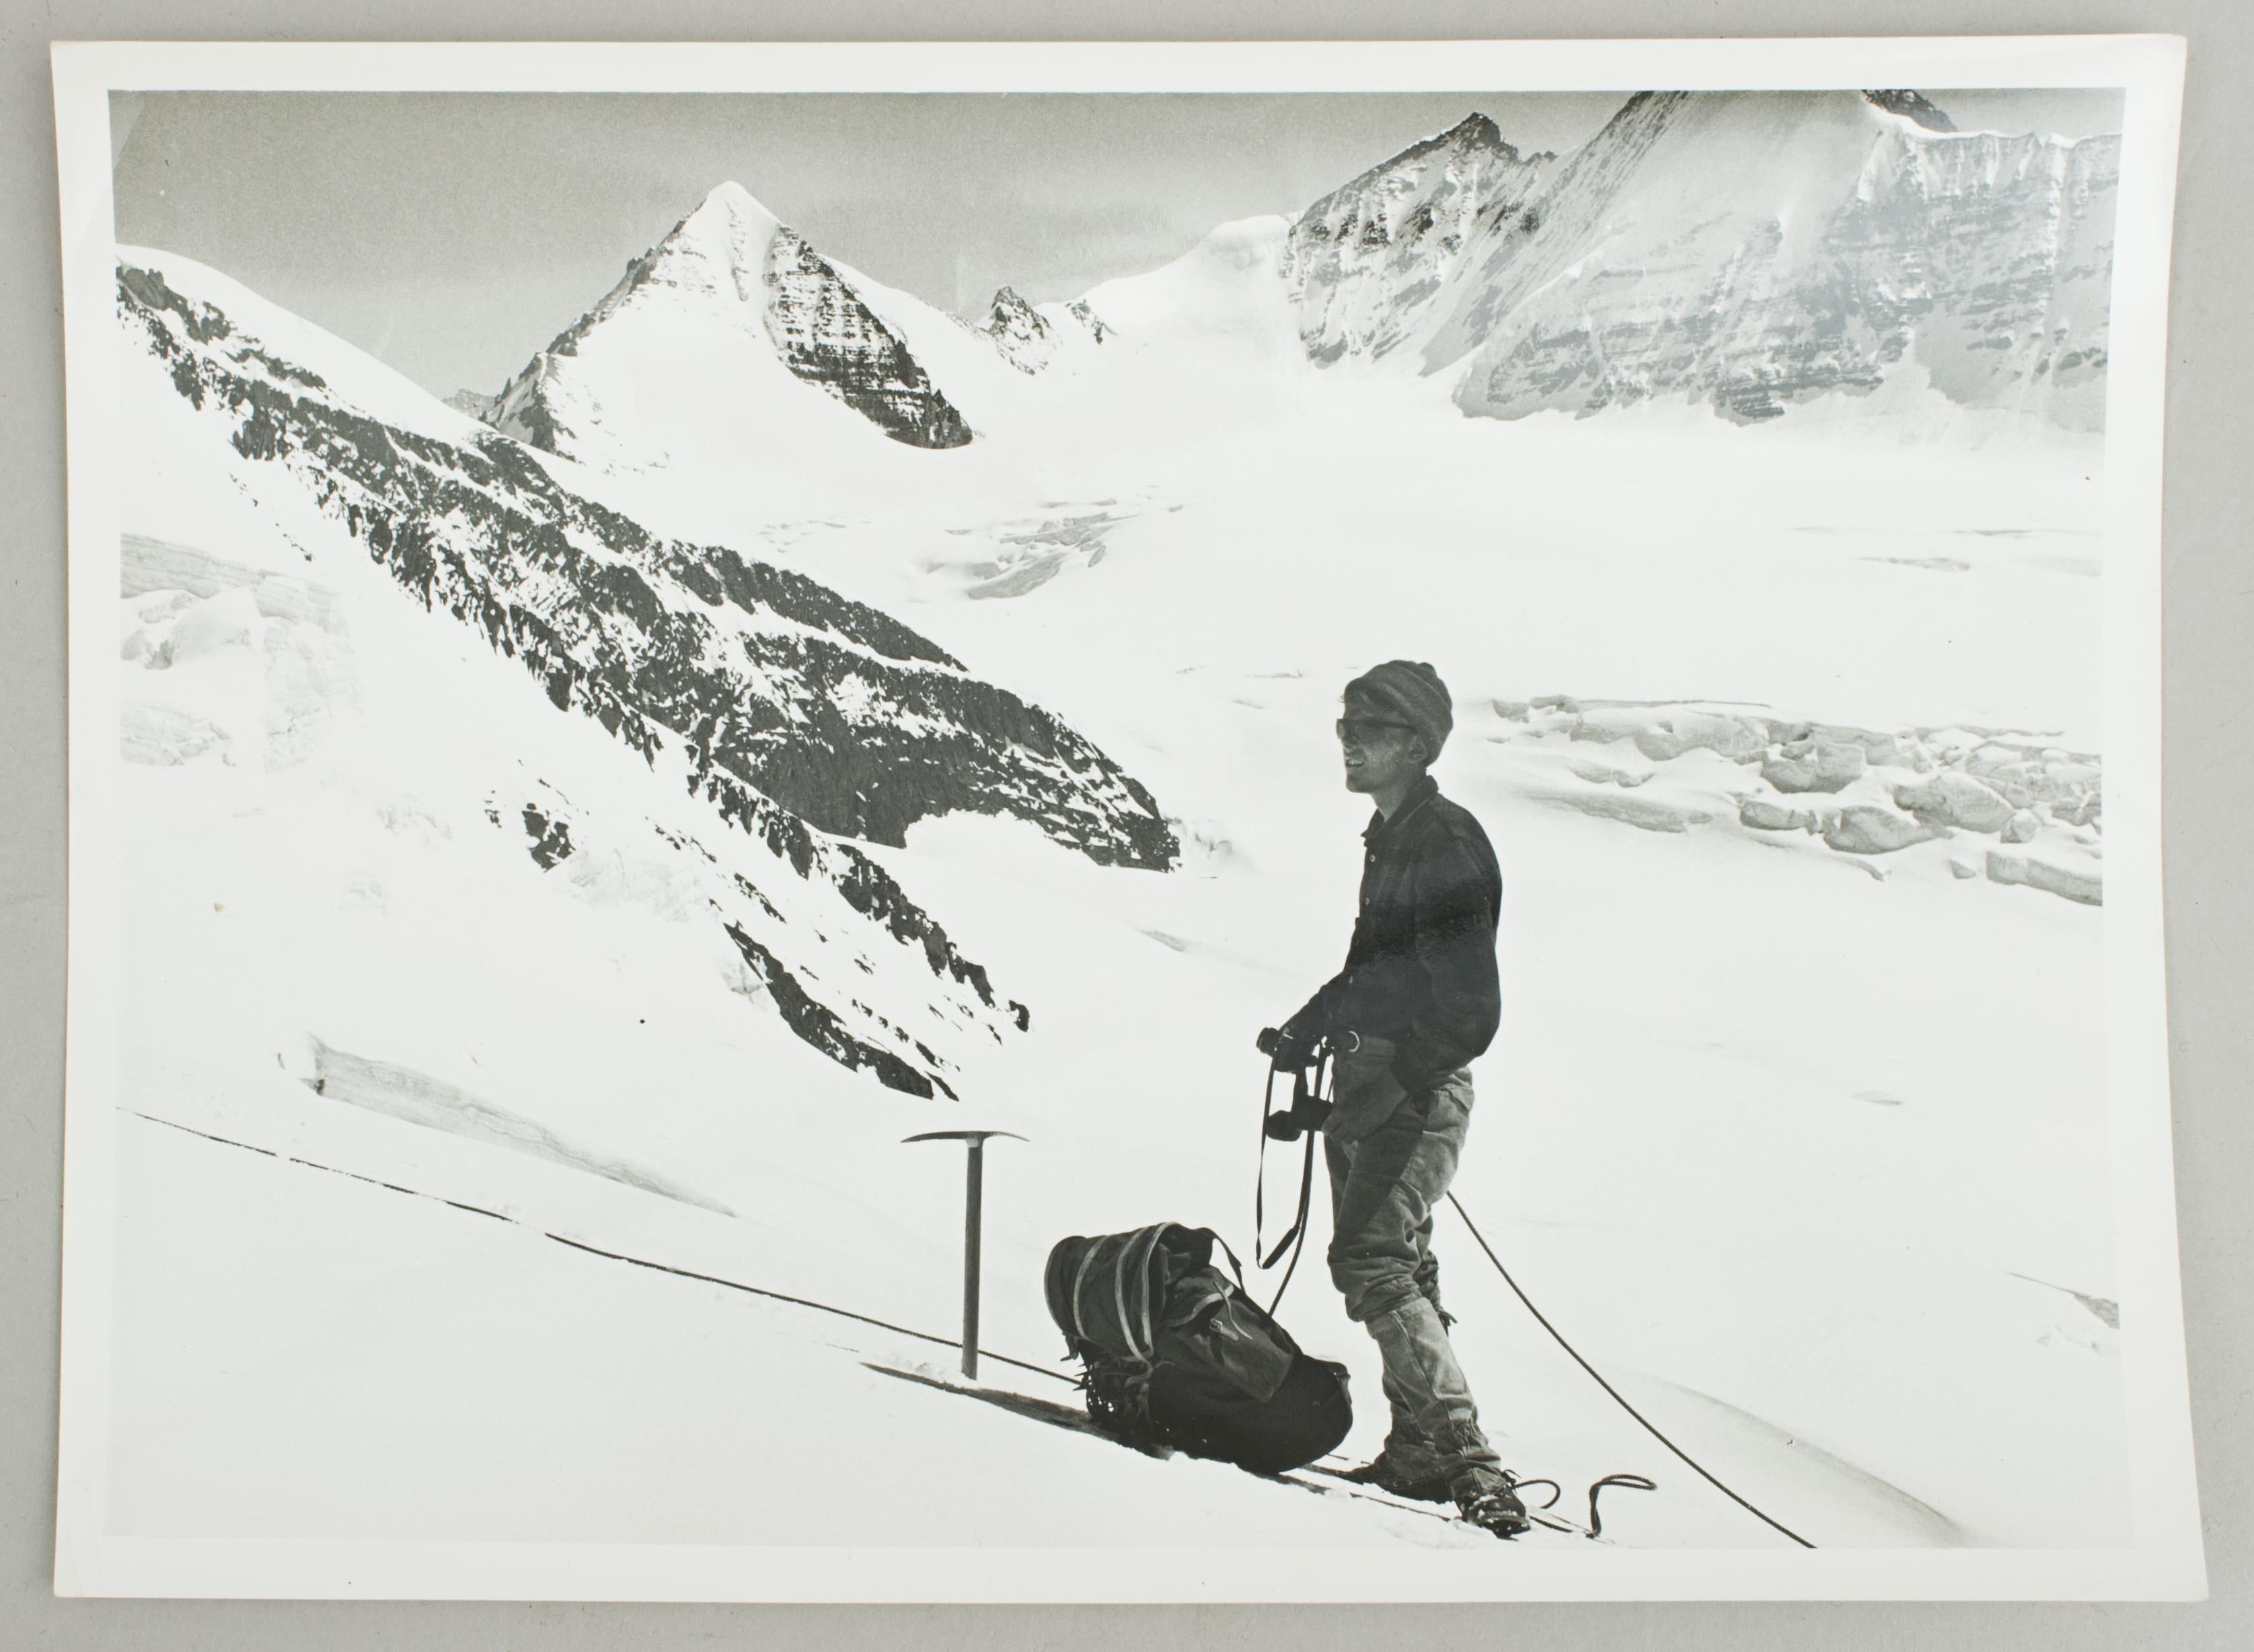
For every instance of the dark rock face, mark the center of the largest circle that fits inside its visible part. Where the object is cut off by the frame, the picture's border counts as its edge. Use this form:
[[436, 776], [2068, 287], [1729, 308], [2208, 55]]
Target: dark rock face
[[827, 336], [795, 712], [1367, 262], [552, 839], [1914, 106], [1019, 331], [819, 1025], [210, 327], [1080, 311], [1751, 250]]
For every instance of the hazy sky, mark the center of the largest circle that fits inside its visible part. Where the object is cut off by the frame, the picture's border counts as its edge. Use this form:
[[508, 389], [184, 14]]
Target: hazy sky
[[453, 235]]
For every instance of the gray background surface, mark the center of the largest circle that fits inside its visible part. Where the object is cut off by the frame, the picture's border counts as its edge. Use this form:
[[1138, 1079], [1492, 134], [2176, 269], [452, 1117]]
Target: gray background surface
[[2210, 604]]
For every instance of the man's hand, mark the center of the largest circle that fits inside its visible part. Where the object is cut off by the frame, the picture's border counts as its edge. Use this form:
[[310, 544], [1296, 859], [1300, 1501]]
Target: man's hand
[[1287, 1051]]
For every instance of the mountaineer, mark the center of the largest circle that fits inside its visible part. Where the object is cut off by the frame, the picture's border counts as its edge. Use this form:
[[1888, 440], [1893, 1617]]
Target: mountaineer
[[1418, 1000]]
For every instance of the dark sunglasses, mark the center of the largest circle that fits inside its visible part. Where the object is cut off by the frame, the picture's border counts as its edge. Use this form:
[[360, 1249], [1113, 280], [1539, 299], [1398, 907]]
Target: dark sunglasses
[[1359, 730]]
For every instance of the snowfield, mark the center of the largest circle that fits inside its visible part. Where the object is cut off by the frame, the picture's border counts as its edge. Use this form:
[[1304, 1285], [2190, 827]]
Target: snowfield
[[1797, 1130]]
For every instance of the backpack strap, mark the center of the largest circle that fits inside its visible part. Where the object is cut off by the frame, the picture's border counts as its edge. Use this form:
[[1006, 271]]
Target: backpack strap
[[1087, 1261], [1119, 1299], [1140, 1249], [1298, 1221], [1221, 1245], [1119, 1292], [1296, 1240], [1260, 1170], [1234, 1266]]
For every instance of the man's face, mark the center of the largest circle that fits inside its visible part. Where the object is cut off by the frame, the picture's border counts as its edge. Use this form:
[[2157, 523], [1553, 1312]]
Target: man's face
[[1381, 753]]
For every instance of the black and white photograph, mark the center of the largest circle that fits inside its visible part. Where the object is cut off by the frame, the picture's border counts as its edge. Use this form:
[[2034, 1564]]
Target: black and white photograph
[[1101, 823]]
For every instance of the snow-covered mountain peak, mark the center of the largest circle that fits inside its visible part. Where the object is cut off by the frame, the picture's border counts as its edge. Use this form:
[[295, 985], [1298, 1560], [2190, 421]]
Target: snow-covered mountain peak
[[1752, 249], [730, 197], [1473, 135], [729, 224], [709, 341], [1019, 331], [1367, 262], [1734, 214], [718, 252]]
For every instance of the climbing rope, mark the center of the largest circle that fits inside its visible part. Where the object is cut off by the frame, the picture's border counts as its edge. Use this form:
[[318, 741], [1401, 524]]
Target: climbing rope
[[1636, 1481]]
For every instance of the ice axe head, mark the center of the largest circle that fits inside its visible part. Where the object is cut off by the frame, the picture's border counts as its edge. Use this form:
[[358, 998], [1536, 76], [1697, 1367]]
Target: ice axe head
[[974, 1137]]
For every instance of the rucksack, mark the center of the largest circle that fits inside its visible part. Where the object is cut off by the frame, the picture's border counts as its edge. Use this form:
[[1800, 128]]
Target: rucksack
[[1175, 1354]]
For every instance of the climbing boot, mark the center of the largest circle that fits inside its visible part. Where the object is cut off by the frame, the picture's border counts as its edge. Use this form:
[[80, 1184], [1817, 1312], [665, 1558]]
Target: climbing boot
[[1418, 1482], [1489, 1503]]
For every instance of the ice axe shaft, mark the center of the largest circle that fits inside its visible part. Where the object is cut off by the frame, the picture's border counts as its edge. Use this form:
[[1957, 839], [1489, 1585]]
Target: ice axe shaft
[[974, 1196]]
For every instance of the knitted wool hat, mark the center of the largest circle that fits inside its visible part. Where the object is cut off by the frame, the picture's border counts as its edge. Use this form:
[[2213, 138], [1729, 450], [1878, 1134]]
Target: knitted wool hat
[[1408, 692]]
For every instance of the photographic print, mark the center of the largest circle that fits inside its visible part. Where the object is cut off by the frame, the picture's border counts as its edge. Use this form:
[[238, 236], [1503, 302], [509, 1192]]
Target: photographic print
[[1287, 823]]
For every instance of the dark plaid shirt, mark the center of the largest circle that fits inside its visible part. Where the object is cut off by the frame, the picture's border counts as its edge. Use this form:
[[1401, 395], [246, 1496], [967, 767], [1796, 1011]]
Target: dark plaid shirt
[[1421, 967]]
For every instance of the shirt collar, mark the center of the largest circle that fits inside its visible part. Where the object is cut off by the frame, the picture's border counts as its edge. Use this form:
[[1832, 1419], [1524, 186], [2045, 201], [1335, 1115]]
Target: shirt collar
[[1379, 828]]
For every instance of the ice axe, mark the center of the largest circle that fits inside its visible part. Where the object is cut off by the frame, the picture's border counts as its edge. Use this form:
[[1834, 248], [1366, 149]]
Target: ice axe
[[973, 1189]]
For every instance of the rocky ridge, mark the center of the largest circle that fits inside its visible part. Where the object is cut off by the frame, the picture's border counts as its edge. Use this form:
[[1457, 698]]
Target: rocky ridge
[[1914, 106], [1364, 265], [800, 718], [1079, 309]]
